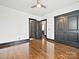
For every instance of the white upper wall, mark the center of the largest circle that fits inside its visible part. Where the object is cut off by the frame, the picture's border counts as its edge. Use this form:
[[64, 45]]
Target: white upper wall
[[14, 25], [50, 18]]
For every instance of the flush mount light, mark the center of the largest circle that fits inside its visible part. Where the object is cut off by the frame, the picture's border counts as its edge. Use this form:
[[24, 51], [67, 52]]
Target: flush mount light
[[38, 5]]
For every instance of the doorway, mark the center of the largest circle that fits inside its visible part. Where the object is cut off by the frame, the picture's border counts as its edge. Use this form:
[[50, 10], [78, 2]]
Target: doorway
[[44, 28], [37, 29]]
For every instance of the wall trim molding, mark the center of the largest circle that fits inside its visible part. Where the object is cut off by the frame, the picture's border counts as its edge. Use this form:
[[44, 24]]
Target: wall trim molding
[[8, 44], [50, 40]]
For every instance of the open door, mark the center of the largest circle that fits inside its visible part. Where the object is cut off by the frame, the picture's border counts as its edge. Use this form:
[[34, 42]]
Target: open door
[[44, 28], [32, 25]]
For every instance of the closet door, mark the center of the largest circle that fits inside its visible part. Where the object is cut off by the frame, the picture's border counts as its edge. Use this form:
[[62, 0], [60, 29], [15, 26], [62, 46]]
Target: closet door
[[72, 28], [72, 22], [67, 28], [78, 28], [59, 29]]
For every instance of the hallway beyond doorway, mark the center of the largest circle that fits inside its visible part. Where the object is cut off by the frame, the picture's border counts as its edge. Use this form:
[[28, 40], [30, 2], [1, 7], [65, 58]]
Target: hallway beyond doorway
[[37, 29]]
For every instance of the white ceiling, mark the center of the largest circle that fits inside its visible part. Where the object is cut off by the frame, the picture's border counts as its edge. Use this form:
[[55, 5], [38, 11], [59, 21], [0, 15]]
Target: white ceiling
[[25, 5]]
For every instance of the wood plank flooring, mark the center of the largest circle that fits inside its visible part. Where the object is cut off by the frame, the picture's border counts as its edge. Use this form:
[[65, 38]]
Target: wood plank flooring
[[39, 49]]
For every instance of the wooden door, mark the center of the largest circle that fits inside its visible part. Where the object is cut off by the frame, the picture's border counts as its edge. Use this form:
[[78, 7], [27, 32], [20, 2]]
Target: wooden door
[[35, 29], [72, 28], [59, 29], [38, 30], [67, 30], [78, 28], [32, 28]]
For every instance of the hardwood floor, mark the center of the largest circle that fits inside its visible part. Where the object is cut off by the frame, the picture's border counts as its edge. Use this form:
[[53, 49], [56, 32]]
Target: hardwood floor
[[39, 49]]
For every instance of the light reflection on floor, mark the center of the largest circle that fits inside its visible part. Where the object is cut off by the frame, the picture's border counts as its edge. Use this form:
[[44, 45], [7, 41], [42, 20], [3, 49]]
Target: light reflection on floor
[[39, 49]]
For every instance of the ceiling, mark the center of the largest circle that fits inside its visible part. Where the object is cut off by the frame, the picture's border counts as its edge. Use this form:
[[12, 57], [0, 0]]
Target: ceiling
[[25, 5]]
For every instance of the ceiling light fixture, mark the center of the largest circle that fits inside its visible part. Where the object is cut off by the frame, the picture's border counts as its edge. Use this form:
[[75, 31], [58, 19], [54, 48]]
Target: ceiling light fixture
[[38, 5]]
